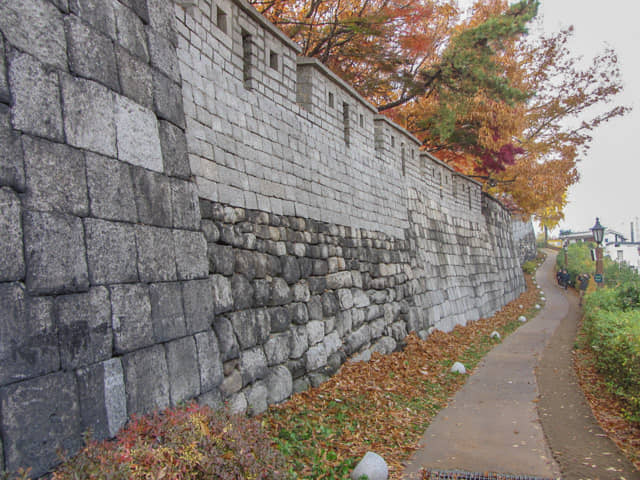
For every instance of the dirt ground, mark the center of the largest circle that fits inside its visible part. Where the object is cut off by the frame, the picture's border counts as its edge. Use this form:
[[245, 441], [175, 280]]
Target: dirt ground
[[579, 445]]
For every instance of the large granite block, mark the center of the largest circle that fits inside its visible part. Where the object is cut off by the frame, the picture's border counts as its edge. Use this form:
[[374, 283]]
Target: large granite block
[[253, 365], [12, 258], [167, 99], [211, 372], [11, 156], [198, 305], [84, 328], [56, 178], [173, 143], [184, 374], [156, 254], [130, 317], [137, 134], [136, 80], [186, 207], [100, 14], [279, 384], [36, 27], [5, 97], [222, 296], [153, 197], [167, 313], [103, 400], [28, 335], [229, 349], [36, 97], [55, 253], [111, 252], [110, 188], [242, 292], [50, 406], [191, 255], [161, 18], [140, 8], [146, 379], [163, 55], [89, 115], [91, 54], [277, 348], [131, 33]]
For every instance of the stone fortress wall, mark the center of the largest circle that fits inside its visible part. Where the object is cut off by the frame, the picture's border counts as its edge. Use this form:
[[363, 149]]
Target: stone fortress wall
[[190, 210]]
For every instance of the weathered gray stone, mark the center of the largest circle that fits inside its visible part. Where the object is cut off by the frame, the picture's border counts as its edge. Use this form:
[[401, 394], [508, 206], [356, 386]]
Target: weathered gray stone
[[12, 259], [242, 292], [182, 365], [280, 292], [277, 348], [372, 466], [163, 55], [191, 255], [222, 294], [226, 339], [136, 80], [290, 269], [173, 143], [11, 156], [301, 385], [130, 31], [330, 305], [212, 399], [257, 398], [153, 197], [146, 380], [316, 357], [140, 8], [317, 378], [298, 313], [279, 384], [261, 292], [253, 365], [97, 13], [56, 179], [89, 115], [344, 323], [385, 345], [137, 135], [36, 97], [280, 319], [244, 263], [245, 328], [35, 27], [103, 401], [55, 253], [237, 404], [211, 373], [112, 199], [299, 341], [357, 339], [186, 209], [156, 254], [167, 314], [84, 328], [221, 259], [130, 317], [315, 331], [339, 280], [317, 285], [111, 252], [91, 54], [345, 299], [301, 293], [28, 335], [314, 308], [198, 305], [210, 230], [231, 384], [167, 99], [50, 404], [360, 299], [5, 96]]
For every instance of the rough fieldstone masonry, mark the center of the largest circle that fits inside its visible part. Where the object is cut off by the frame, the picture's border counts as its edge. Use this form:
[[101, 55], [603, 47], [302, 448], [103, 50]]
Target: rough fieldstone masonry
[[190, 210]]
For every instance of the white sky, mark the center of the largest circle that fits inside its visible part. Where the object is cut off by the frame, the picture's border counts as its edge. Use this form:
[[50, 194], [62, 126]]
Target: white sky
[[610, 174]]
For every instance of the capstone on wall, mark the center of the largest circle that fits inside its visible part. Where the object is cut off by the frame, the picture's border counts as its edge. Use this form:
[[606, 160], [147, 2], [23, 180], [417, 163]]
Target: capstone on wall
[[190, 210]]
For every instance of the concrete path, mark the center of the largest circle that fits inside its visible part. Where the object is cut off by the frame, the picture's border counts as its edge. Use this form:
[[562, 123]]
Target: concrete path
[[492, 424]]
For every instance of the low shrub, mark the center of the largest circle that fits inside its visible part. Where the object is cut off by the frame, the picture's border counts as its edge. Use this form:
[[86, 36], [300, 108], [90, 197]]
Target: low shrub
[[529, 267], [613, 332], [183, 443]]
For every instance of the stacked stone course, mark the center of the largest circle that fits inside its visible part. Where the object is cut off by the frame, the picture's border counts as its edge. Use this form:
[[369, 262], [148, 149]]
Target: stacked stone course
[[190, 210]]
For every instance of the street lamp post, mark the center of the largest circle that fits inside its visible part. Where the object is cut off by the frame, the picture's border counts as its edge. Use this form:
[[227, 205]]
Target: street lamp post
[[598, 235], [565, 247]]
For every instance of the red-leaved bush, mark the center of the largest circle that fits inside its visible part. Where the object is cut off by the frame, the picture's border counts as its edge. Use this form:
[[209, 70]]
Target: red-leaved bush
[[183, 443]]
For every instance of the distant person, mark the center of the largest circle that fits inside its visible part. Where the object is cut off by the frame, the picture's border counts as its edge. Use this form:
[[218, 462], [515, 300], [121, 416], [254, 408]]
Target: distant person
[[564, 279], [583, 284]]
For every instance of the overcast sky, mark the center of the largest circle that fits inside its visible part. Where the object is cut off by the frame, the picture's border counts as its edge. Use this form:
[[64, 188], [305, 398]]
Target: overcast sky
[[610, 174]]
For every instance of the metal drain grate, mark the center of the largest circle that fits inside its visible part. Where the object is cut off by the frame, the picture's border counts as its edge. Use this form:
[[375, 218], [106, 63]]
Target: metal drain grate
[[461, 475]]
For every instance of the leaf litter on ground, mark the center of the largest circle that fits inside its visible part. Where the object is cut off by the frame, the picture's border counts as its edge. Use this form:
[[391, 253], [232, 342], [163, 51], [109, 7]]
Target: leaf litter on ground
[[384, 405]]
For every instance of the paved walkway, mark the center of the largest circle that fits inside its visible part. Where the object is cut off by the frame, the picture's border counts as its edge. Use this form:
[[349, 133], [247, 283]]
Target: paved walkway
[[493, 423]]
